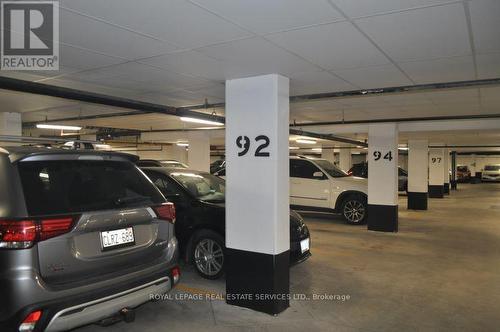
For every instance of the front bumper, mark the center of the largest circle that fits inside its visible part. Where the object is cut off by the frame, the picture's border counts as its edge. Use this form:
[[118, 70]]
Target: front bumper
[[486, 177], [296, 254]]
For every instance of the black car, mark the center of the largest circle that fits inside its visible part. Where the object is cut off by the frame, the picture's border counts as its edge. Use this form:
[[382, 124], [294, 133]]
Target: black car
[[217, 166], [199, 198], [361, 170]]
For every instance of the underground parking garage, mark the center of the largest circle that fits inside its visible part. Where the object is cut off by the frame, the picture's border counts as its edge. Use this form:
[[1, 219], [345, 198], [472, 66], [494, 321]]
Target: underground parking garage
[[326, 165]]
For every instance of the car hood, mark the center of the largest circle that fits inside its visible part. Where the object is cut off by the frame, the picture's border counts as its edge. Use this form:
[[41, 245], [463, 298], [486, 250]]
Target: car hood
[[296, 220], [352, 183]]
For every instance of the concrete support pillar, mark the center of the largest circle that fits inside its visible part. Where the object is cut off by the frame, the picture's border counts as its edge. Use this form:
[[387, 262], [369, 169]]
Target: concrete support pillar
[[383, 177], [418, 174], [199, 151], [10, 125], [453, 181], [328, 154], [345, 161], [436, 173], [446, 171], [257, 201]]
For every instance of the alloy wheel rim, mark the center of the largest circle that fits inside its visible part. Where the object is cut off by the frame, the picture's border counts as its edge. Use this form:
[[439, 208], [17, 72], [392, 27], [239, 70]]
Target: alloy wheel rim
[[209, 257], [354, 211]]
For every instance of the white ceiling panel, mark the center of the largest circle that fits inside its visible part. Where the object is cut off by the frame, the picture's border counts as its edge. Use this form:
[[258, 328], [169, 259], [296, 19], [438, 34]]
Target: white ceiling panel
[[374, 76], [331, 46], [488, 65], [258, 56], [264, 16], [317, 82], [73, 57], [440, 70], [197, 64], [176, 21], [356, 8], [485, 20], [420, 34], [101, 37]]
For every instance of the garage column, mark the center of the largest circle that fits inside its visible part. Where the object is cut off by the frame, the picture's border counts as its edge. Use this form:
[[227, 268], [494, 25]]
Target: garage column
[[11, 125], [446, 170], [345, 159], [328, 154], [453, 181], [418, 154], [436, 173], [383, 177], [257, 186], [199, 151]]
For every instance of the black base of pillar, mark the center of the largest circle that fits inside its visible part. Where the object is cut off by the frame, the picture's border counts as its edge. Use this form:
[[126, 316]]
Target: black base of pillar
[[383, 218], [446, 188], [436, 191], [453, 185], [417, 201], [258, 281]]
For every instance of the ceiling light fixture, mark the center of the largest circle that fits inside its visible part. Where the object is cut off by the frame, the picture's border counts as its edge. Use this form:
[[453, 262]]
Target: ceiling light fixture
[[183, 144], [317, 149], [305, 141], [57, 127], [196, 120], [293, 147]]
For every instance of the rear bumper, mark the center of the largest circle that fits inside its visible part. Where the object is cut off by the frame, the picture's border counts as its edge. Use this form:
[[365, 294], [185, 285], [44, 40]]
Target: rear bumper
[[25, 291], [92, 311], [486, 177]]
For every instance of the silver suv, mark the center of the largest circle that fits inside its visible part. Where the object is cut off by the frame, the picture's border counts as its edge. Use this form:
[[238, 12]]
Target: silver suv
[[84, 237]]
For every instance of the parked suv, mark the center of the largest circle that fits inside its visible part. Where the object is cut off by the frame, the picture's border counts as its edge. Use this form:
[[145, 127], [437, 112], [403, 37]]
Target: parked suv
[[491, 173], [84, 237], [200, 201], [318, 185], [361, 170]]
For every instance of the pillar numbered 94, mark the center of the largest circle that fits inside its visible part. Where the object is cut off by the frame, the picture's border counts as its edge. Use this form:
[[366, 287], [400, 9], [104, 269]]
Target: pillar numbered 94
[[383, 177]]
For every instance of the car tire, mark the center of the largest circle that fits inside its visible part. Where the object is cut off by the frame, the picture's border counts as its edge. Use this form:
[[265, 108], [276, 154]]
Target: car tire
[[208, 254], [354, 209]]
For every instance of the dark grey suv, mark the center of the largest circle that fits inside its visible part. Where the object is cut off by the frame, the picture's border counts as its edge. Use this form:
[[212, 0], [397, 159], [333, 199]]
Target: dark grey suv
[[84, 237]]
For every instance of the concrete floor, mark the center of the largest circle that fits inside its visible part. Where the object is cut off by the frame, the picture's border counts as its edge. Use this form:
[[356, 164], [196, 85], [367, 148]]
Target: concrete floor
[[440, 272]]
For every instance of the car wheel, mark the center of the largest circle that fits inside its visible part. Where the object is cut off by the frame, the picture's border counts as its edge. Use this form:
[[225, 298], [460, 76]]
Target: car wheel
[[208, 254], [354, 209]]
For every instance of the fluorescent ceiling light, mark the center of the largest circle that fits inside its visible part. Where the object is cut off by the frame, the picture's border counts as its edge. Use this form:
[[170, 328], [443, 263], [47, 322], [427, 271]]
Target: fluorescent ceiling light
[[317, 149], [403, 148], [196, 120], [305, 141], [182, 144], [293, 147], [54, 126]]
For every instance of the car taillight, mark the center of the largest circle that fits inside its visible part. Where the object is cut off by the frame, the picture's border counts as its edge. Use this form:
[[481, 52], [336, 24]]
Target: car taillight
[[22, 234], [349, 173], [176, 274], [53, 227], [30, 321], [166, 212]]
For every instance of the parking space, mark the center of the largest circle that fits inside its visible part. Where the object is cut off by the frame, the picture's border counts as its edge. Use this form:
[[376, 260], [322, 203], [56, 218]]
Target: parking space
[[439, 273]]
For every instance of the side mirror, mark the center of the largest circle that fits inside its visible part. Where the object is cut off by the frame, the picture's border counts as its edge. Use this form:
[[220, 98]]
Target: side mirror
[[318, 175]]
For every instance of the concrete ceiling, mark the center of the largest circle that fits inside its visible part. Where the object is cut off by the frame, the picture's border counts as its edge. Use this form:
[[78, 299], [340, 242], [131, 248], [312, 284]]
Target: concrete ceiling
[[180, 52]]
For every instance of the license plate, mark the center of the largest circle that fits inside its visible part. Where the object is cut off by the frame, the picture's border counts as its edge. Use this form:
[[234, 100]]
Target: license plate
[[117, 238], [304, 245]]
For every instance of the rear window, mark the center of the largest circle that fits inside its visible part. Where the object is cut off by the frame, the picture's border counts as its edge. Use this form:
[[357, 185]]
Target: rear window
[[72, 186], [492, 168]]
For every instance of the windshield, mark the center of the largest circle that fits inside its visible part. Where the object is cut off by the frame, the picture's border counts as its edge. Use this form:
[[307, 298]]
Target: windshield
[[492, 168], [173, 164], [330, 168], [205, 187]]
